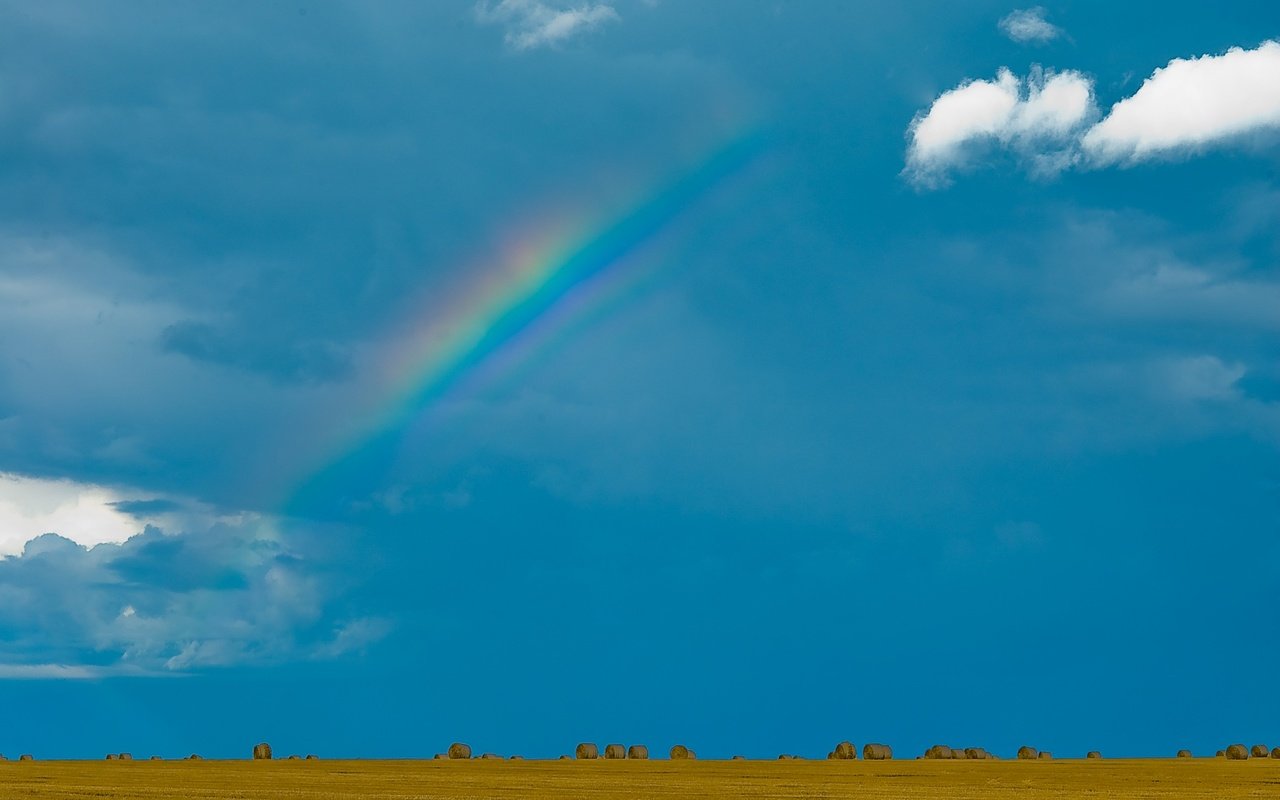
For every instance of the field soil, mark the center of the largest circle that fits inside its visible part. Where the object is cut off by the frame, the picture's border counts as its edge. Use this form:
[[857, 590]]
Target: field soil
[[637, 780]]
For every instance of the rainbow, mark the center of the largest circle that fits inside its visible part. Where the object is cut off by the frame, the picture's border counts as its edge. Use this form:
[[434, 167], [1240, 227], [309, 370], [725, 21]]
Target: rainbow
[[533, 287]]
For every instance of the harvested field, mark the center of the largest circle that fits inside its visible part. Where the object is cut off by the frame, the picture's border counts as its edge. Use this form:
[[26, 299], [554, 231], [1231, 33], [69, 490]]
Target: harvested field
[[636, 780]]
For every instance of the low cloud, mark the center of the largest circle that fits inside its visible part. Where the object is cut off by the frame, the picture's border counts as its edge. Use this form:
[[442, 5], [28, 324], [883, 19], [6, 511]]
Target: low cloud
[[1187, 106], [1028, 25], [1033, 118], [533, 23], [168, 604], [1190, 105]]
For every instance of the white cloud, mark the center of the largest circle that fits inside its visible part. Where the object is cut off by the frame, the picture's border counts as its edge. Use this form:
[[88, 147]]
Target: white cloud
[[83, 513], [534, 23], [1029, 117], [1029, 25], [1192, 104], [88, 514]]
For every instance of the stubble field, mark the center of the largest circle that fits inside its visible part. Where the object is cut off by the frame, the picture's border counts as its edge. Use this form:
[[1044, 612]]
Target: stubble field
[[636, 780]]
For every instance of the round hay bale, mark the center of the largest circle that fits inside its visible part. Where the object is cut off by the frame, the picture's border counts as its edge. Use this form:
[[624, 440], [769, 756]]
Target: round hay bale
[[157, 758], [1093, 754], [26, 757], [1220, 754], [586, 751], [517, 758], [1260, 751], [1184, 754], [638, 752], [1027, 753], [738, 758], [1237, 752], [195, 757], [877, 752], [693, 755], [845, 751], [784, 757], [679, 752], [938, 751], [439, 757], [111, 756], [975, 753], [262, 752], [1275, 752], [490, 757], [614, 751], [565, 758], [126, 756], [459, 750], [312, 757], [294, 757], [1045, 755]]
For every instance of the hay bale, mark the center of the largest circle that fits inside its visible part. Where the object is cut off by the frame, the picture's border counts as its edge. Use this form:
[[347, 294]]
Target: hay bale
[[639, 752], [1093, 754], [565, 758], [738, 758], [1184, 754], [516, 758], [586, 751], [784, 757], [1027, 753], [459, 750], [490, 757], [1260, 751], [312, 757], [1275, 752], [262, 752], [294, 757], [975, 753], [126, 756], [1045, 755], [679, 752], [1237, 752], [157, 758], [439, 757], [845, 751], [938, 751], [693, 756], [26, 757], [877, 752], [195, 757], [111, 756], [614, 751], [1220, 754]]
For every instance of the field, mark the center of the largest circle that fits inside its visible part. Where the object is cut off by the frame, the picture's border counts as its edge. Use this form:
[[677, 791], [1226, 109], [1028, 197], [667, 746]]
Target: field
[[636, 780]]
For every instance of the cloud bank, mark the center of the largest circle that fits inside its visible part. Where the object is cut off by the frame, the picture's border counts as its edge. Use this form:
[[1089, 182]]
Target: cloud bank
[[1185, 107], [168, 604], [1028, 25], [532, 23]]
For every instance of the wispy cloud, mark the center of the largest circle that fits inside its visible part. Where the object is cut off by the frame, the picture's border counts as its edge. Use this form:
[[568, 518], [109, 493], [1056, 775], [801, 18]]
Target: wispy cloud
[[1028, 25], [1033, 117], [534, 23], [1188, 106]]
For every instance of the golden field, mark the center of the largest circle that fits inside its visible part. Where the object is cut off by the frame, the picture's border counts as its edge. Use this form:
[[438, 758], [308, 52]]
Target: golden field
[[636, 780]]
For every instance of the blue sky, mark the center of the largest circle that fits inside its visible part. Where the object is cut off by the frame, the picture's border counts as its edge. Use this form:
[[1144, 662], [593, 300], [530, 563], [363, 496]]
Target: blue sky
[[949, 412]]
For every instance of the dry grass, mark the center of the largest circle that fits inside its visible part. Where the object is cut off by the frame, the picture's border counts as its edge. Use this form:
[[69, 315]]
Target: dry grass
[[636, 780]]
